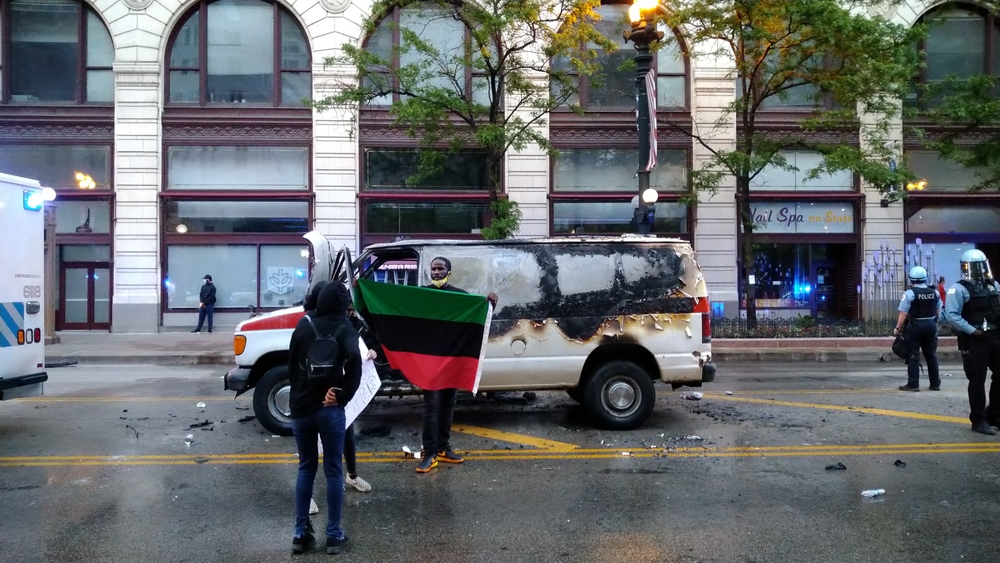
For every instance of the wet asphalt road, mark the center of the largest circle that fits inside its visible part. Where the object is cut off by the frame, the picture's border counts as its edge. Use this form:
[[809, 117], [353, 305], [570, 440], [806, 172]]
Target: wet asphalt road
[[98, 470]]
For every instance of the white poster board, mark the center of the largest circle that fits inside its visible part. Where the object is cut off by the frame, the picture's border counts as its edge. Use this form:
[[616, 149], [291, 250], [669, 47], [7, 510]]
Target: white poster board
[[370, 384]]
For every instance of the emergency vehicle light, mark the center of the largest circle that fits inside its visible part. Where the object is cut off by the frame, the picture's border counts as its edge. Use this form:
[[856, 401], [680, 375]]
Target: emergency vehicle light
[[33, 200], [20, 337]]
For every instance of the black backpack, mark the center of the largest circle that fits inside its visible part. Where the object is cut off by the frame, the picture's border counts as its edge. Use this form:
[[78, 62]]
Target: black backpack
[[324, 359]]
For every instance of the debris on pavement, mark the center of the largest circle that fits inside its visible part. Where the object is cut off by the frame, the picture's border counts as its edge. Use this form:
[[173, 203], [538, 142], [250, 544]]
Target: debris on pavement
[[836, 467], [530, 396], [133, 430], [201, 424], [900, 463], [626, 454], [313, 507], [247, 418], [381, 431], [410, 454], [189, 439], [200, 405], [692, 395], [729, 392], [872, 493], [694, 438]]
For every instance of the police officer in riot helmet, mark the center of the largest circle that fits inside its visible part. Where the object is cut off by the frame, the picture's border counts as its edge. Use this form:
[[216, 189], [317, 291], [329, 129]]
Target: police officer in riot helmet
[[917, 321], [973, 311]]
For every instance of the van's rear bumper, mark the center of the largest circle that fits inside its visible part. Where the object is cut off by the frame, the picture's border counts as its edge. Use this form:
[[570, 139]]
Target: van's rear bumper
[[22, 386]]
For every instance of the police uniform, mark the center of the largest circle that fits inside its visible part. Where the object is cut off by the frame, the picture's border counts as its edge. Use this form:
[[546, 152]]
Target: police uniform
[[973, 306], [921, 305]]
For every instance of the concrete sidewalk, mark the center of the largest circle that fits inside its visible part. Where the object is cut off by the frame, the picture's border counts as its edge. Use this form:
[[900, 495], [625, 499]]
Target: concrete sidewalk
[[182, 348]]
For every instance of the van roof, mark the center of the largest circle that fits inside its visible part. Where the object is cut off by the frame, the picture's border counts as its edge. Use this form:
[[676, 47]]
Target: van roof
[[531, 241]]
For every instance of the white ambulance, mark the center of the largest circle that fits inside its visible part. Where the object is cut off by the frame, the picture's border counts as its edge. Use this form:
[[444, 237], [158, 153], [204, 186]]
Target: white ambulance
[[22, 287]]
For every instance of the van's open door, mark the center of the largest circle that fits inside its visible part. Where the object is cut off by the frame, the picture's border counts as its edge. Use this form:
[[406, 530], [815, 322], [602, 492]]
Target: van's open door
[[321, 267]]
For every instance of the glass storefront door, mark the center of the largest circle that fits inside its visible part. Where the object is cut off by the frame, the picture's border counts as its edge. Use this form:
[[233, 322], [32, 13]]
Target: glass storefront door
[[84, 289]]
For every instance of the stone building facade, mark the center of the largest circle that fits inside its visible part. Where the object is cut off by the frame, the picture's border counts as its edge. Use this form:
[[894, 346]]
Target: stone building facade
[[175, 136]]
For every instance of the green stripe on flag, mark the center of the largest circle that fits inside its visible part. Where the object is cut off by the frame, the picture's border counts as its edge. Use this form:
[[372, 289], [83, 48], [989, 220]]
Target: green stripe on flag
[[420, 302]]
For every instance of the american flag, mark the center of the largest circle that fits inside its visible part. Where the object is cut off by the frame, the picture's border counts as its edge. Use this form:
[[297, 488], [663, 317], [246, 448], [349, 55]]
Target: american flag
[[651, 102]]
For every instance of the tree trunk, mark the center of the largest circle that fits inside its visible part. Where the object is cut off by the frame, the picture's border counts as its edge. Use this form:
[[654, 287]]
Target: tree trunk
[[746, 248], [494, 174]]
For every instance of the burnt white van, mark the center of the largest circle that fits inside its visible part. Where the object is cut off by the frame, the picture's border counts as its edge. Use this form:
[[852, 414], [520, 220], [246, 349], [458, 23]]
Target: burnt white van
[[602, 318]]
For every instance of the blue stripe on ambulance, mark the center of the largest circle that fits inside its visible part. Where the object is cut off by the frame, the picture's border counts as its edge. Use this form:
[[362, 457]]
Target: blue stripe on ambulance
[[11, 321]]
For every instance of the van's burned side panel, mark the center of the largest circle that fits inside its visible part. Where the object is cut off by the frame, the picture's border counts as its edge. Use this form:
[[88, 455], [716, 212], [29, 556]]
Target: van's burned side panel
[[581, 291]]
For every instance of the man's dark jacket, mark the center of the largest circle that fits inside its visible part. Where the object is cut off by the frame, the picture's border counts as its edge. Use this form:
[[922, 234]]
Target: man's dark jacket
[[207, 295], [329, 317]]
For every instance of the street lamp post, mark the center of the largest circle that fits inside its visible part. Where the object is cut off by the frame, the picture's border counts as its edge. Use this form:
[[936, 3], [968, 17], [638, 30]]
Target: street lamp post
[[641, 33]]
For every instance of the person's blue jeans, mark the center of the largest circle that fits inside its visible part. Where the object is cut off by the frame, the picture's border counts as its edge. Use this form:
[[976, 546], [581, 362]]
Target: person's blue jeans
[[328, 424], [206, 313]]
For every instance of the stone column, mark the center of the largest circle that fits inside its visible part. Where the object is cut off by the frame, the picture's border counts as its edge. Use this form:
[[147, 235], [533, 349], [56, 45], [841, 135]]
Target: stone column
[[716, 225], [137, 279]]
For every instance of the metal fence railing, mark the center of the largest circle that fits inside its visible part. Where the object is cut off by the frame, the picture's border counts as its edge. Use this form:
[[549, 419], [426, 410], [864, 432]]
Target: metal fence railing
[[806, 327]]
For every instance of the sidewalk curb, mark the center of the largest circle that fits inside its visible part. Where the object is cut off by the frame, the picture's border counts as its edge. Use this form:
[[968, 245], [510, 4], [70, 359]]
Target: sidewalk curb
[[159, 360], [819, 355]]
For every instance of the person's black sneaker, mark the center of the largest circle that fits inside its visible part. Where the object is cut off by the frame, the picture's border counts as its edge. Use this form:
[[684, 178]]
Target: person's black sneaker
[[908, 388], [448, 456], [427, 463], [303, 543], [210, 332], [935, 387], [195, 331], [334, 545], [984, 428]]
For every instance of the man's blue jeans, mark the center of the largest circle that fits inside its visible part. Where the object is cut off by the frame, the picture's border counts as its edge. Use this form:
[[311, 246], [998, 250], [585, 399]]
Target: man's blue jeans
[[328, 424], [205, 312]]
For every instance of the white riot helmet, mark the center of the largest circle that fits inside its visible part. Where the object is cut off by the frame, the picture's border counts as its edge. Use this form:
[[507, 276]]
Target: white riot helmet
[[975, 266], [918, 275]]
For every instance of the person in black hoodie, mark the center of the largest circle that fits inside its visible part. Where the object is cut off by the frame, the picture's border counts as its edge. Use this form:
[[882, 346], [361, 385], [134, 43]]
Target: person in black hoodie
[[318, 411], [206, 304]]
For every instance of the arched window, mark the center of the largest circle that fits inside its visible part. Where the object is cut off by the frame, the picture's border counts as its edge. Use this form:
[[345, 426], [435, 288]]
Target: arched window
[[439, 28], [614, 88], [55, 51], [239, 51], [962, 41]]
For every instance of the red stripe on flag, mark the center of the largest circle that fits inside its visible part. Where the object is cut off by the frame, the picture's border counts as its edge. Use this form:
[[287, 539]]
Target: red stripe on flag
[[433, 373], [651, 98]]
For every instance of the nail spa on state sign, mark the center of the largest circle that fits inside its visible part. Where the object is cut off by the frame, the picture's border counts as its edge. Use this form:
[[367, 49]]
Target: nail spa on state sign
[[790, 217]]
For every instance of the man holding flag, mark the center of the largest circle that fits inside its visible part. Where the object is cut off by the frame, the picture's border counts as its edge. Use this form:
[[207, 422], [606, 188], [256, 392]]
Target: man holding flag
[[436, 336]]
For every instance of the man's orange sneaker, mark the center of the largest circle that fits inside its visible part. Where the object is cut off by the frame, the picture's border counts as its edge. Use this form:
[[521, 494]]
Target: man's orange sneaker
[[449, 456], [427, 463]]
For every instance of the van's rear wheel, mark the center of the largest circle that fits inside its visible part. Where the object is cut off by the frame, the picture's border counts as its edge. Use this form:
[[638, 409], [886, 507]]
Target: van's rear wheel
[[620, 394], [272, 400]]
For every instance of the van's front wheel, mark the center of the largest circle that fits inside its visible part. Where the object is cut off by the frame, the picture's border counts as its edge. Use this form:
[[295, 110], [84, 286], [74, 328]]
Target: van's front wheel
[[620, 394], [271, 400]]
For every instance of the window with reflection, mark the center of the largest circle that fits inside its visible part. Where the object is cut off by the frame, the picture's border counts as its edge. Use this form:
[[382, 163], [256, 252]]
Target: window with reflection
[[57, 166], [398, 169], [440, 29], [267, 276], [613, 170], [237, 168], [613, 87], [227, 216], [593, 191], [55, 51], [962, 41], [239, 52]]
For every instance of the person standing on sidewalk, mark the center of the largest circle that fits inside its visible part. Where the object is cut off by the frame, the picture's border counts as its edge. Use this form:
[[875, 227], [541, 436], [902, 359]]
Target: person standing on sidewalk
[[206, 304], [918, 314], [439, 406], [316, 412], [973, 311]]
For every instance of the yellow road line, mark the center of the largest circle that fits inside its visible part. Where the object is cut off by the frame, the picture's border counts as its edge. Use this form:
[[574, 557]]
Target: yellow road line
[[697, 450], [525, 439], [501, 455], [866, 410]]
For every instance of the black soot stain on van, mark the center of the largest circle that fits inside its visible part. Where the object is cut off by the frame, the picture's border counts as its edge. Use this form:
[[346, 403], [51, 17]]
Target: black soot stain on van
[[580, 316]]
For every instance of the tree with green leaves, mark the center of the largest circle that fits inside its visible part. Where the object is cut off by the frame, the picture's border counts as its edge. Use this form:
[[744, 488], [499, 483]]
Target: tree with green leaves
[[849, 68], [504, 46]]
